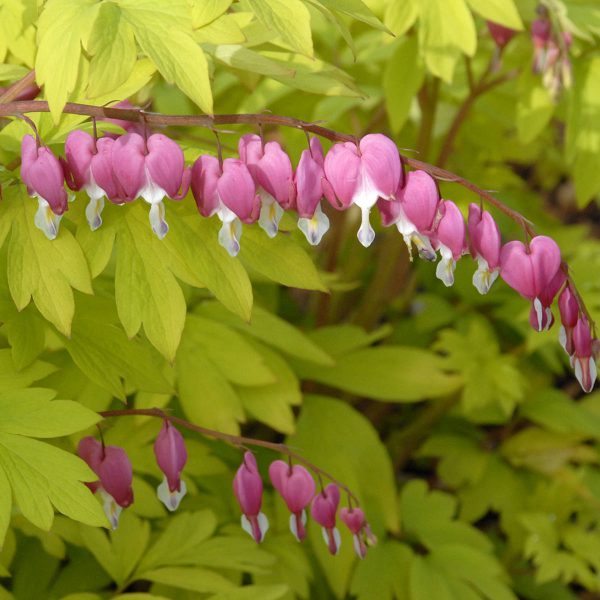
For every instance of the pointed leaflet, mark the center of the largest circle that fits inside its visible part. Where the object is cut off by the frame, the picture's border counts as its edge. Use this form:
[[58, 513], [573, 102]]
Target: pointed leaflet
[[503, 12], [64, 25], [164, 32], [113, 51], [44, 270], [42, 475], [281, 259], [146, 290], [356, 9], [289, 19], [99, 347]]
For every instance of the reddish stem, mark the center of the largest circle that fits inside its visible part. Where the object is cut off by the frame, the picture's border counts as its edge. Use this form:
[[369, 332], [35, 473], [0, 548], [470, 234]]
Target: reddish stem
[[235, 440]]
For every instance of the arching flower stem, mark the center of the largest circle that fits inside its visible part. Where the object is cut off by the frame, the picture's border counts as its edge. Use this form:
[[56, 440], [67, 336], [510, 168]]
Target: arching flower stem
[[235, 440]]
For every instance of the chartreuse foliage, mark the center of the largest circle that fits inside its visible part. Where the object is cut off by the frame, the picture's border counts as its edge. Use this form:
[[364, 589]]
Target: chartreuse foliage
[[444, 413]]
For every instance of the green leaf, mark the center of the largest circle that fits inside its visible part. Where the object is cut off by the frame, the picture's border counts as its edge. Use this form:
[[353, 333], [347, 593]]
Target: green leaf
[[5, 505], [45, 270], [100, 348], [389, 373], [33, 412], [121, 550], [446, 29], [402, 78], [492, 383], [583, 129], [42, 475], [26, 336], [194, 241], [63, 27], [271, 404], [503, 12], [326, 424], [179, 543], [232, 355], [535, 107], [164, 34], [206, 11], [113, 51], [193, 579], [272, 330], [281, 259], [401, 16], [254, 592], [427, 582], [385, 576], [356, 9], [206, 396], [289, 19], [13, 379], [145, 289]]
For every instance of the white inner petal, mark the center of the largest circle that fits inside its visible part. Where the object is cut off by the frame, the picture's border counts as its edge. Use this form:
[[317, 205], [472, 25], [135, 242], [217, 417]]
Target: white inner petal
[[46, 220], [539, 312], [365, 234], [111, 509], [170, 499], [151, 192], [315, 227], [270, 214], [157, 220], [93, 212]]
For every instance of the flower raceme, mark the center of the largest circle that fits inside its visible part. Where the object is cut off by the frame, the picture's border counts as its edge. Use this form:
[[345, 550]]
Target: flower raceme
[[261, 184], [248, 489]]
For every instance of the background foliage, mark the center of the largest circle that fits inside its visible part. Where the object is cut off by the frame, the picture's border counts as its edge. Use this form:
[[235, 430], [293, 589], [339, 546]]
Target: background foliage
[[458, 427]]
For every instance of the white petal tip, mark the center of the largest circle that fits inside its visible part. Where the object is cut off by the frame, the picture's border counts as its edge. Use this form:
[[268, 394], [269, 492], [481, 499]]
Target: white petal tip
[[171, 499], [315, 227], [46, 220]]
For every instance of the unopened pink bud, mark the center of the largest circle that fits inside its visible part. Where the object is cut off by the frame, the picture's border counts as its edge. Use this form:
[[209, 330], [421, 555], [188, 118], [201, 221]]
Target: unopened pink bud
[[484, 245], [248, 489], [583, 358], [44, 177], [323, 510], [450, 240], [501, 34], [171, 456], [297, 488]]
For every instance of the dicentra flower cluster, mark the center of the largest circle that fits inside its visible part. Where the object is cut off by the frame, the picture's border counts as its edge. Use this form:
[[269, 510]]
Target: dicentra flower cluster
[[293, 482], [297, 488], [262, 183]]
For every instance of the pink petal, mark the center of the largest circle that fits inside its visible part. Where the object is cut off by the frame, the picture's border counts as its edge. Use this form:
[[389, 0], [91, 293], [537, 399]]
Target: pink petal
[[248, 487], [165, 163], [116, 475], [342, 170], [420, 199], [237, 191], [205, 176], [308, 177], [128, 163], [79, 150], [381, 163], [171, 455], [451, 229]]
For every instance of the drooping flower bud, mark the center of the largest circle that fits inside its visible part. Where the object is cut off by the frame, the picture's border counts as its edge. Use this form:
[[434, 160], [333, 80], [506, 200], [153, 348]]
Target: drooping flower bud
[[113, 468], [414, 212], [354, 519], [323, 510], [568, 307], [171, 456], [312, 221], [360, 175], [531, 271], [501, 34], [43, 175], [484, 245], [583, 358], [248, 489], [450, 240], [297, 488], [228, 192]]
